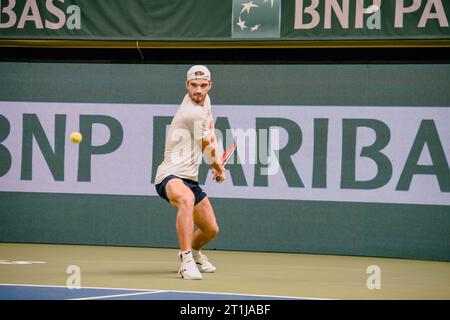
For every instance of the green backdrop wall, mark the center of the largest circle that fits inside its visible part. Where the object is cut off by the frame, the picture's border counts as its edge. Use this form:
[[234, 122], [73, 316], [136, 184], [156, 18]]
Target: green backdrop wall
[[376, 228]]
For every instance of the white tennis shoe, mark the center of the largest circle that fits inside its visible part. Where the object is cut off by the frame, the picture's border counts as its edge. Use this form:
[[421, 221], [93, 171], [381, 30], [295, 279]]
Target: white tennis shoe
[[189, 271], [202, 262]]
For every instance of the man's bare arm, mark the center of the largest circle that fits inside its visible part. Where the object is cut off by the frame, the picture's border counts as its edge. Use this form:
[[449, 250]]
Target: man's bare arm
[[209, 148]]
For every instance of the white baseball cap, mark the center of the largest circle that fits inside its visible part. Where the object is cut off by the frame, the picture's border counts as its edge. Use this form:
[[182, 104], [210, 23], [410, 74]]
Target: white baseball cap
[[198, 72]]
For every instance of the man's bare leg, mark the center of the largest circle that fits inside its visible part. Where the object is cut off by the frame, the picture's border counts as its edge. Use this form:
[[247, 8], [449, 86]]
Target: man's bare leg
[[205, 220], [182, 198]]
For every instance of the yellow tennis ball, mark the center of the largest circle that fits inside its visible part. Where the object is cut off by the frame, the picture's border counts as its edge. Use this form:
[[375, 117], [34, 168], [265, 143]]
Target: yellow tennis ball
[[76, 137]]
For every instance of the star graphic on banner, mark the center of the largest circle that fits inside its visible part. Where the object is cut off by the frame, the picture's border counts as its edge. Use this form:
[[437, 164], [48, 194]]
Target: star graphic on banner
[[248, 6], [255, 27], [271, 2], [241, 24]]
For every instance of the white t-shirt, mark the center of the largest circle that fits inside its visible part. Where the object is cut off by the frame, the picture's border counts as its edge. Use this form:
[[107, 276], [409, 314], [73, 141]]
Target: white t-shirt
[[183, 151]]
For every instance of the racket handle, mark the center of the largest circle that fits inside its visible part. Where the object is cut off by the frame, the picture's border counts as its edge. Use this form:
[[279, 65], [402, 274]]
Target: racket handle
[[218, 179]]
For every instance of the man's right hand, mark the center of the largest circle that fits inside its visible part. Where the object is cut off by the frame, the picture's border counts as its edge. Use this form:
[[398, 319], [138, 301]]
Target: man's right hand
[[221, 175]]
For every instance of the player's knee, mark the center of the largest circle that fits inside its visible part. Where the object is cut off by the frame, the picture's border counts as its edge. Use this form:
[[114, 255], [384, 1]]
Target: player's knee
[[213, 231], [216, 231], [186, 202]]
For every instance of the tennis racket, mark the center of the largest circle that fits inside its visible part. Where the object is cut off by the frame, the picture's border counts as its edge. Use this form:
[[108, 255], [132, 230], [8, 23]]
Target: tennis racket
[[226, 156]]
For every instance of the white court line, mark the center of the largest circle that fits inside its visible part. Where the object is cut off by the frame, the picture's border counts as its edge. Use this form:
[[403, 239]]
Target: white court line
[[145, 291], [20, 262], [249, 295], [56, 286], [117, 295], [159, 290]]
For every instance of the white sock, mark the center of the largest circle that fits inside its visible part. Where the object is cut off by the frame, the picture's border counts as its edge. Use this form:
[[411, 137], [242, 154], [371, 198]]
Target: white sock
[[186, 255]]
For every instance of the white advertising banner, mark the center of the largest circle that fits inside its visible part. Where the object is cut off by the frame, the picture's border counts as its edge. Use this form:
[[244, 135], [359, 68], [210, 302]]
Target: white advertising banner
[[316, 153]]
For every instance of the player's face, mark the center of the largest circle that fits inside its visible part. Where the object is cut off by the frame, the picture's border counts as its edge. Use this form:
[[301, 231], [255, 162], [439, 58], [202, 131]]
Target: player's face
[[198, 89]]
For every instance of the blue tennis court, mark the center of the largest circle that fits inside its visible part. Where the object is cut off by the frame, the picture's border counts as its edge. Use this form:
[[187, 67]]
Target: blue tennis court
[[35, 292]]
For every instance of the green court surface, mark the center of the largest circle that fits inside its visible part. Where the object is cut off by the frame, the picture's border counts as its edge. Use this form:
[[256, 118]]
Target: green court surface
[[249, 273]]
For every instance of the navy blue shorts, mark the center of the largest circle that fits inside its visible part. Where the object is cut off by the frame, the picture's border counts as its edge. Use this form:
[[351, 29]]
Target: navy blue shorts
[[199, 194]]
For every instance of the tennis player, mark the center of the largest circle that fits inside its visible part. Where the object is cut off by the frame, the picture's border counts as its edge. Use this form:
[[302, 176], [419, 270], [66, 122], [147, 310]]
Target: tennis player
[[190, 135]]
